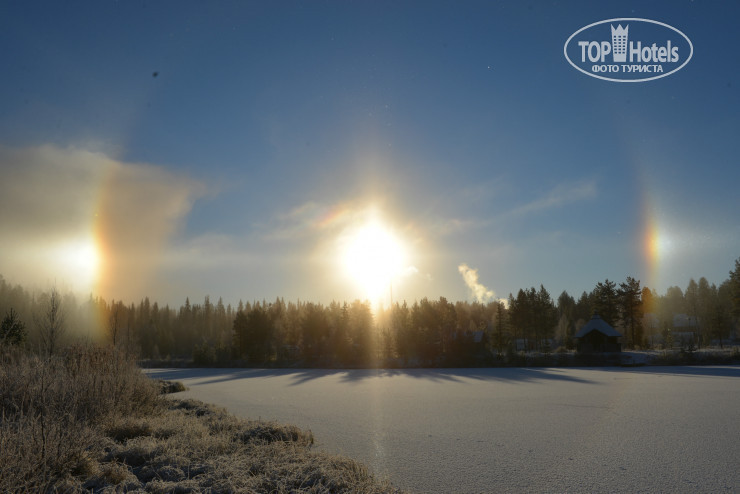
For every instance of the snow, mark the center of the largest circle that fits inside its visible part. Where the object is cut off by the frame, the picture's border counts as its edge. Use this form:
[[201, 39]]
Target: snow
[[667, 429]]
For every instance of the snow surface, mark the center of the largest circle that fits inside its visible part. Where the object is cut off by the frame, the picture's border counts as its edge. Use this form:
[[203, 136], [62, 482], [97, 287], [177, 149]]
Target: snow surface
[[652, 429]]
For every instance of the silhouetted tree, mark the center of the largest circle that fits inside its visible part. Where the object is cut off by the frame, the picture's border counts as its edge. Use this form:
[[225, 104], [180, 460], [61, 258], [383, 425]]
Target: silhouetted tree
[[50, 322], [705, 304], [340, 339], [584, 309], [12, 329], [501, 327], [115, 320], [406, 344], [519, 315], [315, 332], [674, 302], [605, 301], [534, 314], [647, 296], [426, 322], [691, 305], [630, 309], [253, 331], [734, 289], [566, 318], [719, 314], [447, 322], [361, 331], [545, 318], [650, 319]]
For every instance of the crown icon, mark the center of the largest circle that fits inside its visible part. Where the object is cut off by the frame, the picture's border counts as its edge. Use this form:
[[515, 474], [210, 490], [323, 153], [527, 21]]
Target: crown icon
[[619, 43]]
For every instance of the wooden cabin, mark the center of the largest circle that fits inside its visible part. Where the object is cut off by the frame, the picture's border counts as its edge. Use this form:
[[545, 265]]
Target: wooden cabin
[[597, 336]]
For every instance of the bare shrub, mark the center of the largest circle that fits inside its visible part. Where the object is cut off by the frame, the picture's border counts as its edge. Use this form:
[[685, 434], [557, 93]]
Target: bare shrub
[[50, 322], [52, 410]]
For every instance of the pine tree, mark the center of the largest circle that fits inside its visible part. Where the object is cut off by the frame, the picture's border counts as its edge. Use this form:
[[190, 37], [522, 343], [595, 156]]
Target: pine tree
[[605, 301], [630, 308], [12, 329], [735, 289], [253, 333]]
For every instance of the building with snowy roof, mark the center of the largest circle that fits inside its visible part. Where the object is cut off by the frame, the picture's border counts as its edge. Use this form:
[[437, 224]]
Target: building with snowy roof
[[598, 336]]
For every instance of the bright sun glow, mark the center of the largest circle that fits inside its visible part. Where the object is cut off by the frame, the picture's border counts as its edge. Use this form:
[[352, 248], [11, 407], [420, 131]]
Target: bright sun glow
[[80, 262], [373, 256]]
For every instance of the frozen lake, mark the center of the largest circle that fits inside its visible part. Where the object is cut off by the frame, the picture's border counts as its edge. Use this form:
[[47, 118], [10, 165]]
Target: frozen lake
[[650, 429]]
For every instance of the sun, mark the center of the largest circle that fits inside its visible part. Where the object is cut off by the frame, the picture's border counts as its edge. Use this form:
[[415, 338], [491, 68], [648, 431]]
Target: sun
[[373, 256], [80, 262]]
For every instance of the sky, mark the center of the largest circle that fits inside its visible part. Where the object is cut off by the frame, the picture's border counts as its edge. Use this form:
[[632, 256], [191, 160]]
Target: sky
[[377, 150]]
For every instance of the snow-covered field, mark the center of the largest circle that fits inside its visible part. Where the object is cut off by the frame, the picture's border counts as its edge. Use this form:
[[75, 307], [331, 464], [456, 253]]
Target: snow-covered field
[[652, 429]]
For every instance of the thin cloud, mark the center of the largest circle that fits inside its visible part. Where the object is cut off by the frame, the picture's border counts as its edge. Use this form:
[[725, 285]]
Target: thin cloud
[[455, 225], [141, 207], [307, 219], [48, 192], [59, 206], [213, 251], [559, 196]]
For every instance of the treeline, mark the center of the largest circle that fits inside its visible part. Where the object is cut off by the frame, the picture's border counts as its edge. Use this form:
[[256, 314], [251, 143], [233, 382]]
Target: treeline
[[428, 332]]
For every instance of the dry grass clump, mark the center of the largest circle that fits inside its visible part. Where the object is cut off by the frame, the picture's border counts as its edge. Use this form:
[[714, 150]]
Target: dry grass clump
[[167, 387], [52, 408], [195, 447], [92, 422]]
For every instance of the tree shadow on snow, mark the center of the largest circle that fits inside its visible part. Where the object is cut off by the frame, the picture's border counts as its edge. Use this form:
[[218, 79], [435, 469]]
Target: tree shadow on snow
[[681, 370], [463, 375], [202, 376]]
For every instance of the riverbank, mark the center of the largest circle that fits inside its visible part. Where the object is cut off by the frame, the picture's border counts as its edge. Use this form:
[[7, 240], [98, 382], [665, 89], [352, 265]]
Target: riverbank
[[90, 421]]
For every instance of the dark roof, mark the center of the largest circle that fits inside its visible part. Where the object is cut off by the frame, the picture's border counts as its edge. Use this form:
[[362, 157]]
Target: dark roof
[[597, 324]]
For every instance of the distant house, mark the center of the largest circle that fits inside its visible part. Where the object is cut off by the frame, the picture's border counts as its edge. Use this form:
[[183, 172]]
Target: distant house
[[684, 330], [684, 322], [598, 336]]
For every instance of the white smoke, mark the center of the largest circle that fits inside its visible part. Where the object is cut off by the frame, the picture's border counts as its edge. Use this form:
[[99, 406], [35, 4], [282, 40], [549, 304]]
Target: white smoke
[[479, 291]]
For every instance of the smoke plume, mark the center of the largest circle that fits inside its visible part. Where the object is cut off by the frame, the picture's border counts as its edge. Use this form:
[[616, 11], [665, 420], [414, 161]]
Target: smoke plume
[[479, 291]]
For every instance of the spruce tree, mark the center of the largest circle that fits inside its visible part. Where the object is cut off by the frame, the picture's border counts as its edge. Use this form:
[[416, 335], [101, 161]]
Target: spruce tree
[[12, 329]]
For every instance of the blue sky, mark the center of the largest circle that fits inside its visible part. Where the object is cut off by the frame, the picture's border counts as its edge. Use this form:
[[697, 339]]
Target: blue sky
[[176, 149]]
